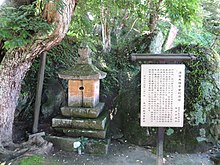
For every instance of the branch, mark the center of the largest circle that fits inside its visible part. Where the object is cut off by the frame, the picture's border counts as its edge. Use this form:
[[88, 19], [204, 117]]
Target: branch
[[62, 22]]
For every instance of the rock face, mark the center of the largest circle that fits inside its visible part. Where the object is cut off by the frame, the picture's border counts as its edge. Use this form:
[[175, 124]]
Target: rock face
[[54, 98], [156, 44]]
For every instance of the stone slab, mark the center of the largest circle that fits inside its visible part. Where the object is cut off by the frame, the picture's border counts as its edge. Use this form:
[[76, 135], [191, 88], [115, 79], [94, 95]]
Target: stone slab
[[71, 132], [63, 143], [92, 146], [83, 112], [96, 124]]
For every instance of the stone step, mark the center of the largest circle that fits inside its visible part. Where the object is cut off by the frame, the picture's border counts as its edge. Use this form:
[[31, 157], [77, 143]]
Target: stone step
[[96, 124], [71, 132], [82, 111], [91, 146]]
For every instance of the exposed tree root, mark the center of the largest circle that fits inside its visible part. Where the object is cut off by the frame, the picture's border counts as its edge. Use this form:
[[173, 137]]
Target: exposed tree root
[[35, 145]]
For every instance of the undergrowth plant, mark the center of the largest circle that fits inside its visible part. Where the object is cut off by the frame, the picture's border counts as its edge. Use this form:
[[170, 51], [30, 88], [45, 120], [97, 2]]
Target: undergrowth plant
[[202, 93]]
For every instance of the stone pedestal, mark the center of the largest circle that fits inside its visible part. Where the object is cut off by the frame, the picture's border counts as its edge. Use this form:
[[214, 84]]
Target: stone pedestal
[[84, 116], [92, 146]]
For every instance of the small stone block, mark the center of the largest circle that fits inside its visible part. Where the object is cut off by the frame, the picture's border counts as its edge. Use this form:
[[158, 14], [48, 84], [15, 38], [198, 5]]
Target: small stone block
[[96, 124], [97, 147], [83, 112], [63, 143]]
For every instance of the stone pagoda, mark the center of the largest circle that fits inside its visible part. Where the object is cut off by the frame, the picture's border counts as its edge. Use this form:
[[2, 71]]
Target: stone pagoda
[[84, 115]]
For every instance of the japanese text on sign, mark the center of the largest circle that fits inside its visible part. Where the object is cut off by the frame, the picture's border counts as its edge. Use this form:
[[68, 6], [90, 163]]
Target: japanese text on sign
[[162, 95]]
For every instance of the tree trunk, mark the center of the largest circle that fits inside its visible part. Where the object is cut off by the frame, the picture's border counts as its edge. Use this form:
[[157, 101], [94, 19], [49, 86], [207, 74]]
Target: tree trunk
[[154, 14], [106, 34], [11, 74], [16, 63]]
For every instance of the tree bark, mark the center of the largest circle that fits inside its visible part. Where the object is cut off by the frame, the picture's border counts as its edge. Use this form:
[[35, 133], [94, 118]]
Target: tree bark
[[106, 34], [154, 14], [16, 63], [12, 72]]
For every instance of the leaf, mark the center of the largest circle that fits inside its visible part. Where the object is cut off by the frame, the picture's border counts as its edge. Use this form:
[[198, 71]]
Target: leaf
[[4, 34], [169, 131], [201, 139]]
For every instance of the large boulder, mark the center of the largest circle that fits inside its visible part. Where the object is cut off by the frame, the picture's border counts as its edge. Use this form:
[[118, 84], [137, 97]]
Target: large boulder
[[54, 96]]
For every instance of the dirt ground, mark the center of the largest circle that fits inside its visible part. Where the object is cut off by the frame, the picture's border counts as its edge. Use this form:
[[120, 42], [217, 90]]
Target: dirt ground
[[127, 154], [121, 153]]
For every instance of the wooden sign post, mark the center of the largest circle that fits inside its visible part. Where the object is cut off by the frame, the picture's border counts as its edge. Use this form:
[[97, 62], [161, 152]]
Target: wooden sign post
[[162, 93]]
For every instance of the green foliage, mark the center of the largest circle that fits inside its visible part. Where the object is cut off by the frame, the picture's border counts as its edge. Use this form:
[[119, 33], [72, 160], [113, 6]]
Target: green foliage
[[124, 19], [33, 160], [61, 57], [212, 16], [202, 94], [127, 19], [185, 11], [169, 131], [202, 137], [196, 36], [19, 24]]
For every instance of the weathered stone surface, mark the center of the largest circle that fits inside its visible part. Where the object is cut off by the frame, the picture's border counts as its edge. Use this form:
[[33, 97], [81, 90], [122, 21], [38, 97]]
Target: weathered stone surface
[[63, 143], [97, 147], [84, 57], [83, 132], [92, 146], [83, 112], [96, 124], [83, 93], [156, 43], [54, 95], [83, 72]]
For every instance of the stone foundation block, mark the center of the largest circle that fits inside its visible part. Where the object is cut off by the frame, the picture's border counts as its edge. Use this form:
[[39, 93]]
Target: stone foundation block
[[82, 111], [71, 132], [63, 143], [96, 124], [92, 146]]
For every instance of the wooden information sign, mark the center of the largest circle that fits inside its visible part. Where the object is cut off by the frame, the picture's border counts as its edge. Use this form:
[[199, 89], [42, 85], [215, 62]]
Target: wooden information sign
[[162, 95]]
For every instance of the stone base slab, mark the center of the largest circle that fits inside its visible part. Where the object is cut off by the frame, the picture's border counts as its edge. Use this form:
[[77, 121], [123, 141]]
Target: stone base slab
[[80, 123], [63, 143], [71, 132], [92, 146], [82, 111]]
